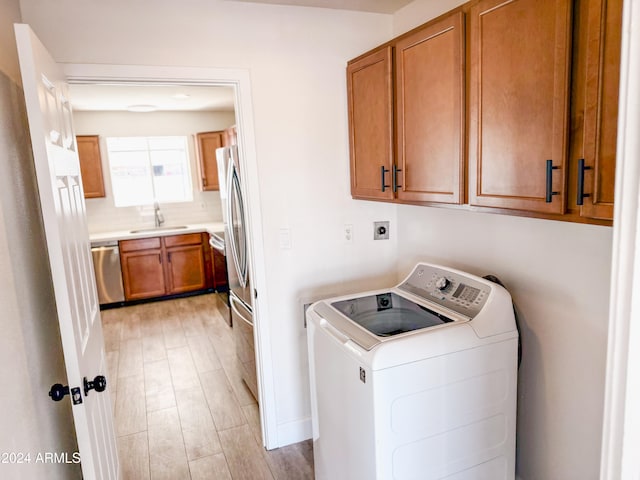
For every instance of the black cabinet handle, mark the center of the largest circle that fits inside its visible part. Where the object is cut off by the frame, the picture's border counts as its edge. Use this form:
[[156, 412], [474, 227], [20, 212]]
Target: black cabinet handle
[[550, 193], [382, 172], [394, 178], [581, 195]]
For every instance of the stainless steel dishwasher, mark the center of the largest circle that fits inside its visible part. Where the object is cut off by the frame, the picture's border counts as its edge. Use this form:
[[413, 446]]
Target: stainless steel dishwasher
[[106, 263]]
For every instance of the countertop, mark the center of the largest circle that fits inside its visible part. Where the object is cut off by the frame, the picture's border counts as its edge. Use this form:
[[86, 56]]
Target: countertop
[[213, 227]]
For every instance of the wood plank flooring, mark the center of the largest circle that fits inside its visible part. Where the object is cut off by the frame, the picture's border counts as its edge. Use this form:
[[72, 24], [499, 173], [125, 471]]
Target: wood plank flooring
[[181, 409]]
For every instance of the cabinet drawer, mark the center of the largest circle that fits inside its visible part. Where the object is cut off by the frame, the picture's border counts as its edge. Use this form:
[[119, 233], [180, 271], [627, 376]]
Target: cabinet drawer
[[186, 239], [139, 244]]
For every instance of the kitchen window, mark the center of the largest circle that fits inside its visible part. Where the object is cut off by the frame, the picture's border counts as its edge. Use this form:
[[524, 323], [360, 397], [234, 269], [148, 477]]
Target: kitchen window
[[145, 170]]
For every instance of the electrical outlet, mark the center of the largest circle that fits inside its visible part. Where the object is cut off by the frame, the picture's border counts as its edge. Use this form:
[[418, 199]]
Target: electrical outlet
[[381, 230], [348, 232]]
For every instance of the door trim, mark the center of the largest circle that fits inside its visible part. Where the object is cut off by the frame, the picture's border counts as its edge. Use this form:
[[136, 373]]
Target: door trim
[[621, 424], [241, 81]]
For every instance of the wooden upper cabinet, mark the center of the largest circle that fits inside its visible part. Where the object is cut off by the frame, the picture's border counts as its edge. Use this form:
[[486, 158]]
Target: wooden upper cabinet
[[604, 26], [518, 103], [90, 166], [230, 136], [370, 98], [430, 87], [207, 143]]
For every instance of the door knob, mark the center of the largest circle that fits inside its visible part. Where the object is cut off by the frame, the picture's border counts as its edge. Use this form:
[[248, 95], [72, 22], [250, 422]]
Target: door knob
[[59, 391], [99, 384]]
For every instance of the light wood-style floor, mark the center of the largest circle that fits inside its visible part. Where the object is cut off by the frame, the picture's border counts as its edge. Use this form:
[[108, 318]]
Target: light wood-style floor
[[181, 408]]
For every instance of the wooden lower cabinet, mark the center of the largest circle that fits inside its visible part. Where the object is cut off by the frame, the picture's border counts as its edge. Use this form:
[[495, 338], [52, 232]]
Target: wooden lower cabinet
[[159, 266], [142, 274], [185, 269]]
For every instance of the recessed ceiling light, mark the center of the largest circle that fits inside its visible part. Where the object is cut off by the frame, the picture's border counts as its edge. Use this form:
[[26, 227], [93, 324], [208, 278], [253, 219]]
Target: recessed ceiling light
[[181, 96], [142, 108]]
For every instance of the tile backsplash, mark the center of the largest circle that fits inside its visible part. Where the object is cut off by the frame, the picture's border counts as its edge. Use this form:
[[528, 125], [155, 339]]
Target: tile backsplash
[[104, 217]]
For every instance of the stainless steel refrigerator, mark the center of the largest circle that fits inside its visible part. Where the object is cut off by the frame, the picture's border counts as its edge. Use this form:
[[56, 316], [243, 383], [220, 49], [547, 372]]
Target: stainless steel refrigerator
[[237, 254]]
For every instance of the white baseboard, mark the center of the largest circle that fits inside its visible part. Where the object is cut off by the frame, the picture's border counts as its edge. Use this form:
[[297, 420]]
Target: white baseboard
[[294, 432]]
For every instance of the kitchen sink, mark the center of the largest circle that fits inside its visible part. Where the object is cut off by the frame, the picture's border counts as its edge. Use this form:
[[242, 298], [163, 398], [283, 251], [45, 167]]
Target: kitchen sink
[[158, 229]]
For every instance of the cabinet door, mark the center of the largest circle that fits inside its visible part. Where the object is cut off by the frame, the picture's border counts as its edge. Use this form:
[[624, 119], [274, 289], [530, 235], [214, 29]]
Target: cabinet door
[[207, 144], [601, 107], [90, 166], [518, 103], [430, 113], [370, 97], [230, 136], [142, 274], [185, 269]]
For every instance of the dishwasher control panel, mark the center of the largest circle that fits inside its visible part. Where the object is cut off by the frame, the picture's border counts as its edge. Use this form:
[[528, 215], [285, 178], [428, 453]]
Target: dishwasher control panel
[[460, 293]]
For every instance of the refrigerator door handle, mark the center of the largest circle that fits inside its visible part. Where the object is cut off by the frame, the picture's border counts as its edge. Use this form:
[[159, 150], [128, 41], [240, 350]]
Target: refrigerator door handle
[[234, 302], [233, 182]]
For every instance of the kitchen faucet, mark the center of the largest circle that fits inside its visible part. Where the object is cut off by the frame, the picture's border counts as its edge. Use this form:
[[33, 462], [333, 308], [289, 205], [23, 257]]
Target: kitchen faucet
[[158, 215]]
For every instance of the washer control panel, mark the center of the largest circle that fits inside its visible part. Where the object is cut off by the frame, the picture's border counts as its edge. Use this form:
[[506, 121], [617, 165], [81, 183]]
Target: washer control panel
[[456, 292]]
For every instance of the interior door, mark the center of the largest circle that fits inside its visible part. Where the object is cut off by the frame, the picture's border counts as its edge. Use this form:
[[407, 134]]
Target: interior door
[[63, 212]]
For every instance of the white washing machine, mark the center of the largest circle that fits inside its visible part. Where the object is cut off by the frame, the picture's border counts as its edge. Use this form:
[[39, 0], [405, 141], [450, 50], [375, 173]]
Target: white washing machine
[[415, 382]]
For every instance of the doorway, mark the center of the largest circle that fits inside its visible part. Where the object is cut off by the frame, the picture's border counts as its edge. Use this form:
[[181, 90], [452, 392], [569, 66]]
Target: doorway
[[239, 80]]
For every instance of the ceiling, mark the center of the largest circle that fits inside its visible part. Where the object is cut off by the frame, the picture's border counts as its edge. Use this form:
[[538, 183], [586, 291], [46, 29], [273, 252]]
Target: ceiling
[[198, 98], [376, 6], [163, 97]]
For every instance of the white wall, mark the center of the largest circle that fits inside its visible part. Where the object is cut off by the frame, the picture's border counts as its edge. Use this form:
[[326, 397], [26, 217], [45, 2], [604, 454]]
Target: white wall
[[102, 214], [420, 11], [31, 357], [558, 274], [296, 58]]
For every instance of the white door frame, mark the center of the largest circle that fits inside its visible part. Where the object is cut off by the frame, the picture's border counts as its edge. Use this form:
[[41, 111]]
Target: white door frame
[[240, 79], [621, 428]]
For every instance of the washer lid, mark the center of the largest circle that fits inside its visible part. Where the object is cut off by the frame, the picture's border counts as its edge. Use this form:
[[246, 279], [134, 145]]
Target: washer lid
[[388, 314], [376, 317]]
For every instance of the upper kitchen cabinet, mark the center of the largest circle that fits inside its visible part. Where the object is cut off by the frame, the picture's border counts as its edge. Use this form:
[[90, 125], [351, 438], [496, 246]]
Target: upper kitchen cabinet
[[207, 143], [370, 97], [230, 136], [519, 104], [430, 113], [596, 173], [90, 165]]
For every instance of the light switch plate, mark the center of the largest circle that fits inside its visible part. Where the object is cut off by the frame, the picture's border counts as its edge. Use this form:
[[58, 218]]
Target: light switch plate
[[285, 238], [381, 230]]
